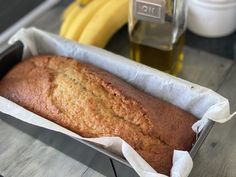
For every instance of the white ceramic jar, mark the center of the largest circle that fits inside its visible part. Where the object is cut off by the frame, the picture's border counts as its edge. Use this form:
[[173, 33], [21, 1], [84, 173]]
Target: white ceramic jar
[[212, 18]]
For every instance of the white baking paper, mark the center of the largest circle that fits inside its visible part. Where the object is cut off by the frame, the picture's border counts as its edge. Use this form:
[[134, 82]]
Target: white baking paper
[[202, 102]]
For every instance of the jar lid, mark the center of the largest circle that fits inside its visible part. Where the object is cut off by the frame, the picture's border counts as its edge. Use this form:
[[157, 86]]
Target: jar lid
[[216, 3]]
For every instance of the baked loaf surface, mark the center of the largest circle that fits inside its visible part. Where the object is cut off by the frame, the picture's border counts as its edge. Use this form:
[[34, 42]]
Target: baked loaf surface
[[95, 103]]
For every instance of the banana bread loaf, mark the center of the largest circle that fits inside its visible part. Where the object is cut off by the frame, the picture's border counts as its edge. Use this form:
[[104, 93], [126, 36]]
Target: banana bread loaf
[[95, 103]]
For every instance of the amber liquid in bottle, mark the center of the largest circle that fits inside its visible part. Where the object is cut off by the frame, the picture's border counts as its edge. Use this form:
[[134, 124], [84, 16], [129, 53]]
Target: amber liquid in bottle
[[169, 61]]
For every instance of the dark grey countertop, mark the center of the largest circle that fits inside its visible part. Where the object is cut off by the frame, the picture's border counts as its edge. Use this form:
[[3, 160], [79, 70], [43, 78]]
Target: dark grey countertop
[[13, 10], [223, 46]]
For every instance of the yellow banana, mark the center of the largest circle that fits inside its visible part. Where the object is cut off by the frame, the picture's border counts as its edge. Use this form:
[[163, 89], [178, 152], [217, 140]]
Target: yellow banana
[[83, 18], [72, 6], [109, 18], [84, 2], [68, 9], [69, 19]]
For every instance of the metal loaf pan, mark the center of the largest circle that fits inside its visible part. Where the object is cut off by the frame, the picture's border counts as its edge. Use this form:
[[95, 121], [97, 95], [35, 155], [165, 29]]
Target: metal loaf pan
[[12, 55]]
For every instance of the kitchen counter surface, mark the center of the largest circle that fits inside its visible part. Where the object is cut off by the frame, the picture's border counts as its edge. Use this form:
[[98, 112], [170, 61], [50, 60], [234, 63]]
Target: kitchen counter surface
[[26, 150]]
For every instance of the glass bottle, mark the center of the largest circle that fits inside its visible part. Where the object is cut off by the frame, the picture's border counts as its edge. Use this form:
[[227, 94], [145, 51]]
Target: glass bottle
[[156, 31]]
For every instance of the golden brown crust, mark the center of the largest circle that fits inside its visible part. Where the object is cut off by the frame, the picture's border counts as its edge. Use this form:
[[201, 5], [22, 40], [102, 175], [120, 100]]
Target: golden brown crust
[[94, 103]]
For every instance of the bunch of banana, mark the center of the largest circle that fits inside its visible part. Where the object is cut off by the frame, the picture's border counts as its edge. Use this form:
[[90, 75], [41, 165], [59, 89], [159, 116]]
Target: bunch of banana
[[94, 22]]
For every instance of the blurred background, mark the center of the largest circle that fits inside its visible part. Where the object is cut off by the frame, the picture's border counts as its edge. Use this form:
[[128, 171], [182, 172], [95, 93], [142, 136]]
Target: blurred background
[[46, 15]]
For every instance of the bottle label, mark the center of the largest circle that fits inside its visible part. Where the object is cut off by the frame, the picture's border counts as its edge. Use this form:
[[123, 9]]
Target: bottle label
[[149, 10]]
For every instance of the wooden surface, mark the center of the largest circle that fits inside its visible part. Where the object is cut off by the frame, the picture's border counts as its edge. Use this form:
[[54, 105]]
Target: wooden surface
[[26, 150]]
